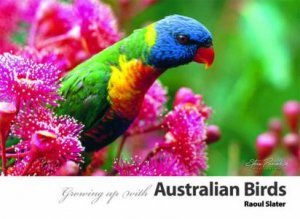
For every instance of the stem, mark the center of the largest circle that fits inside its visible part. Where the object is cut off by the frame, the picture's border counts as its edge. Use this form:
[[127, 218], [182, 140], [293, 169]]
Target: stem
[[19, 155], [121, 146], [32, 33], [260, 168], [151, 155], [138, 132], [27, 167], [9, 149], [234, 158], [144, 131], [155, 151], [53, 40], [85, 46], [3, 153]]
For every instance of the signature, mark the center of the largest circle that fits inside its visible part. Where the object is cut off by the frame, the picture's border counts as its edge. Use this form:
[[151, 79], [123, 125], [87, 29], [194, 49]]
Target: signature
[[267, 163]]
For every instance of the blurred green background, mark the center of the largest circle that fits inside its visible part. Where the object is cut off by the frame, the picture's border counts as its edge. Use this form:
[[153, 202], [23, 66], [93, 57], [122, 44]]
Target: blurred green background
[[256, 69]]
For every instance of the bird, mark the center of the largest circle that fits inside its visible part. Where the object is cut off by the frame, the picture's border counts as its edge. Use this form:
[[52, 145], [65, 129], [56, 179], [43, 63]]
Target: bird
[[105, 92]]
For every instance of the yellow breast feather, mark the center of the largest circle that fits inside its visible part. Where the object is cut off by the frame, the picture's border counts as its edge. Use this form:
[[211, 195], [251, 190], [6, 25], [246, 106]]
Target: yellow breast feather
[[128, 84]]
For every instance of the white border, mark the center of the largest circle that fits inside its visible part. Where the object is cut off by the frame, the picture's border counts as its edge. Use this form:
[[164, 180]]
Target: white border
[[38, 197]]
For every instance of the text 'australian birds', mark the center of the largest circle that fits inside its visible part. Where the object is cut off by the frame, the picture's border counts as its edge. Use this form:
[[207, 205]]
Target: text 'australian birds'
[[214, 189]]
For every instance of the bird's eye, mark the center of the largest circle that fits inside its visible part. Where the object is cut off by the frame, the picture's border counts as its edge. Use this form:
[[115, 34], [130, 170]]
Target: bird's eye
[[183, 39]]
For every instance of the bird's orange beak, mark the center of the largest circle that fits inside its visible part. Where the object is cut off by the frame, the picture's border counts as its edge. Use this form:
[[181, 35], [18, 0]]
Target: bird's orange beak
[[205, 55]]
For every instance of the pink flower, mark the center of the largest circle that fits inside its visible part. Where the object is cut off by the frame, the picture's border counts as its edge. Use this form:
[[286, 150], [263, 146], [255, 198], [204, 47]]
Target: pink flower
[[45, 57], [186, 96], [185, 124], [292, 167], [266, 143], [27, 83], [97, 24], [53, 18], [152, 109], [70, 168], [43, 119], [165, 164], [9, 17], [182, 151], [185, 137], [7, 46], [47, 141], [75, 31], [54, 28], [30, 8]]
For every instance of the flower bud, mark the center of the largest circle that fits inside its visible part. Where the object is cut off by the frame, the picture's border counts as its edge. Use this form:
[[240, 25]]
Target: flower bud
[[265, 143], [7, 114], [275, 127], [99, 173], [186, 96], [213, 134], [291, 110], [292, 142], [41, 142], [70, 168]]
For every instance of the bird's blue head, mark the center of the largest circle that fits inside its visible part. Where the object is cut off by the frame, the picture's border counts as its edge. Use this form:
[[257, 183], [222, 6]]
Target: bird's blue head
[[177, 40]]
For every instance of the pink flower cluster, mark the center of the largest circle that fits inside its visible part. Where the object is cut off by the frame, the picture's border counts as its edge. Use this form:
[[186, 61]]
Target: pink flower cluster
[[75, 31], [26, 82], [182, 150], [72, 32], [9, 18], [60, 36], [152, 109], [48, 142], [268, 142]]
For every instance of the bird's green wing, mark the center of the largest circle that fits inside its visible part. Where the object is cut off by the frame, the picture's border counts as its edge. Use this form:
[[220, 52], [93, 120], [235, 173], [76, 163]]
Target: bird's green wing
[[84, 90]]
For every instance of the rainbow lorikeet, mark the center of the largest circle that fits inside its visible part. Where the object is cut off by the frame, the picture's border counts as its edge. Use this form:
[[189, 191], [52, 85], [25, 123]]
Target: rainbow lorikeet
[[106, 91]]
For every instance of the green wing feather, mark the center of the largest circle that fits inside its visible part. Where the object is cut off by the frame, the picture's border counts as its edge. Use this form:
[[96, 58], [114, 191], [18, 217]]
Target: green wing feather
[[85, 87], [85, 92]]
